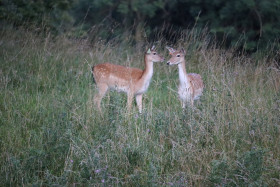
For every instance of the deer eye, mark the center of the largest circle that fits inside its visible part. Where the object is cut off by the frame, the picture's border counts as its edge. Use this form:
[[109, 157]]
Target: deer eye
[[178, 55], [154, 53]]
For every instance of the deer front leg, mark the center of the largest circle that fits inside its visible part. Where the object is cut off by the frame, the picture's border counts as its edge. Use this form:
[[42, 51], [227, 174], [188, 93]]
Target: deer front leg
[[192, 103], [192, 98], [129, 101], [139, 102], [183, 104]]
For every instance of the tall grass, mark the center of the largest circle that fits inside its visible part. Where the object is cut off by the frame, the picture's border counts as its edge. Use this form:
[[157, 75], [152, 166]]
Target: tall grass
[[51, 133]]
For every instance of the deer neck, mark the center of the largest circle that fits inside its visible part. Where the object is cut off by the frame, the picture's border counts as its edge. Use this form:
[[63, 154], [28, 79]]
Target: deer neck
[[148, 71], [183, 76], [146, 77]]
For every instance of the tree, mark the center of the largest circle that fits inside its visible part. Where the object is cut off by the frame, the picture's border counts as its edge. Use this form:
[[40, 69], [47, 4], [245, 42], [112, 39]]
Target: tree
[[50, 13], [255, 22], [248, 24]]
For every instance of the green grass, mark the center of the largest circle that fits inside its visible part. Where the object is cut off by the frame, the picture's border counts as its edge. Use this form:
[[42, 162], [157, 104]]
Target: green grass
[[51, 133]]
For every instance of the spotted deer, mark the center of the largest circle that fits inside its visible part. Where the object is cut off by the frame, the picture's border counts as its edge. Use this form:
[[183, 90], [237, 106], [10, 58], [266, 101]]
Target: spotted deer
[[132, 81], [190, 84]]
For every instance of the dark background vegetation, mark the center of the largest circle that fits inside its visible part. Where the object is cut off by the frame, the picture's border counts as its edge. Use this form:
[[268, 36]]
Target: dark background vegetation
[[249, 25]]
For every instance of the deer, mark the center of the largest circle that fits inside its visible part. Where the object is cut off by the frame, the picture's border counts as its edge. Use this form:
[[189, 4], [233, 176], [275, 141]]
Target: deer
[[190, 84], [133, 81]]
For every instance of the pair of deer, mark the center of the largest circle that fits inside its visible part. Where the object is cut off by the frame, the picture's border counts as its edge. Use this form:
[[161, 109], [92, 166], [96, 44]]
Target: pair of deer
[[135, 82]]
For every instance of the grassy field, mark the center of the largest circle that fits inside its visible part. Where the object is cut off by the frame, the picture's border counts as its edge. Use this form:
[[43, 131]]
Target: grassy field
[[51, 134]]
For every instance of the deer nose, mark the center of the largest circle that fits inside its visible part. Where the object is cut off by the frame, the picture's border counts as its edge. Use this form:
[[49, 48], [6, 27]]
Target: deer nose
[[168, 63]]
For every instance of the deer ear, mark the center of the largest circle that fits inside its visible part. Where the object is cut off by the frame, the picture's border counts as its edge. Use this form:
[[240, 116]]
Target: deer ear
[[170, 49], [183, 51], [149, 51], [153, 48]]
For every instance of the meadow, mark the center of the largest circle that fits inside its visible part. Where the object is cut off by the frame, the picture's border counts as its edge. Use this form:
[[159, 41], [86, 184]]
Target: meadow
[[51, 134]]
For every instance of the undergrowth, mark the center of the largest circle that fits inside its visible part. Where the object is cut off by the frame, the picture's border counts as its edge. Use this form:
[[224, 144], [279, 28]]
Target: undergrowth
[[52, 134]]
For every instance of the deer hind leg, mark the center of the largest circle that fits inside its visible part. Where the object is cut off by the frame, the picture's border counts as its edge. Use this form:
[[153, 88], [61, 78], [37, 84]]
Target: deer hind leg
[[139, 102], [102, 89]]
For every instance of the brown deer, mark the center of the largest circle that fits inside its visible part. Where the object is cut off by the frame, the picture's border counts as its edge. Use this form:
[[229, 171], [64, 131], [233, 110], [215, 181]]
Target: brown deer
[[132, 81], [191, 84]]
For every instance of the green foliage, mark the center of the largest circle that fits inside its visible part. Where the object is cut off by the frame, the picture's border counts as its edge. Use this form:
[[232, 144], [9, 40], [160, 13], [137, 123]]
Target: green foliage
[[251, 165], [243, 21], [247, 170], [246, 24], [53, 14], [140, 8], [220, 173]]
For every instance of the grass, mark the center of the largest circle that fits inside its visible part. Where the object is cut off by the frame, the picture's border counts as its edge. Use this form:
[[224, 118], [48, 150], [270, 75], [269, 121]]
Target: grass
[[51, 133]]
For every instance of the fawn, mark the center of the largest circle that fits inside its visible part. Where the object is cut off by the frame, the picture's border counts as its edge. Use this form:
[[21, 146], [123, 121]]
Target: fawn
[[191, 84], [132, 81]]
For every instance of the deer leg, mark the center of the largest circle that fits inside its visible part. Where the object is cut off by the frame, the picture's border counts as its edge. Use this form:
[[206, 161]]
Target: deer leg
[[129, 101], [139, 102], [183, 103], [102, 89], [192, 103]]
